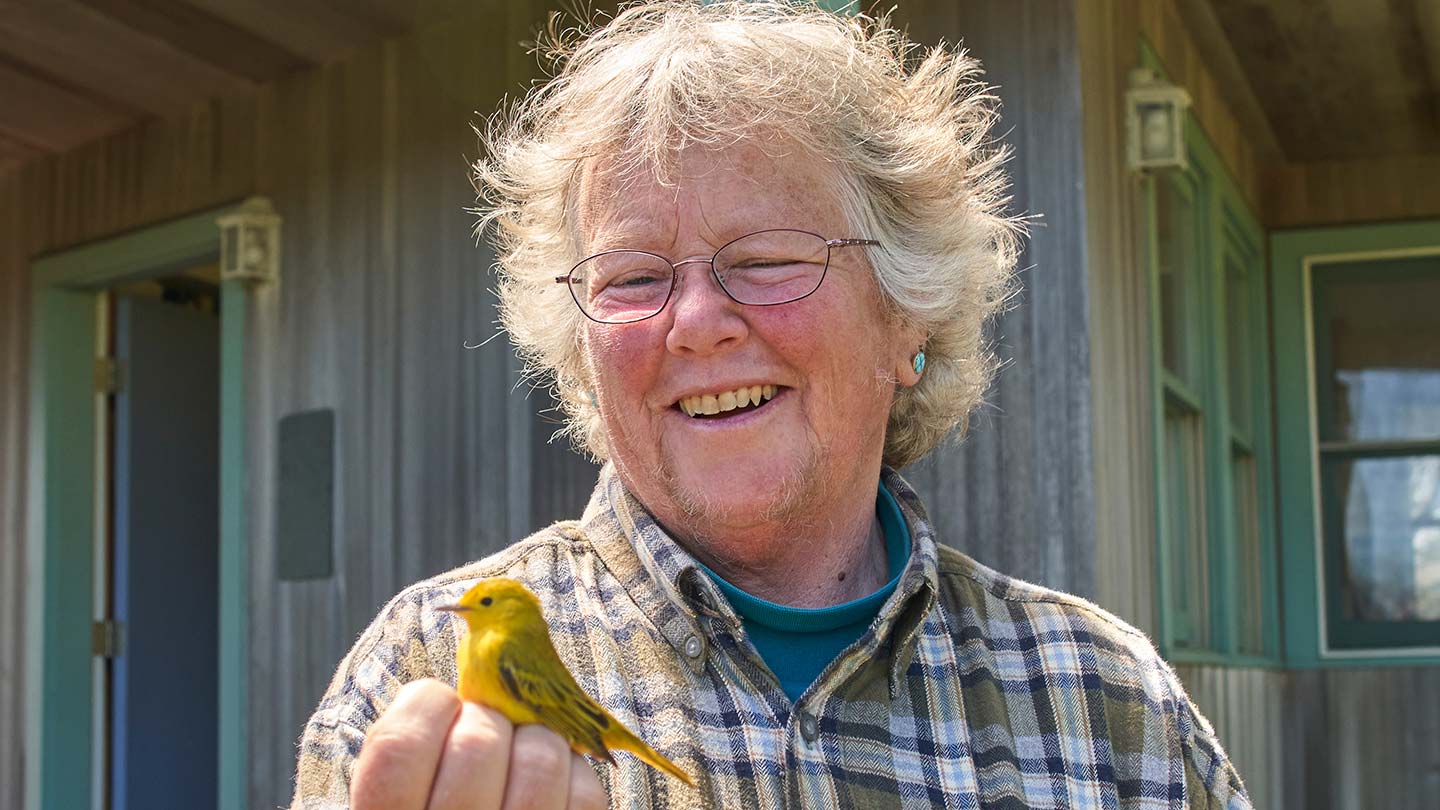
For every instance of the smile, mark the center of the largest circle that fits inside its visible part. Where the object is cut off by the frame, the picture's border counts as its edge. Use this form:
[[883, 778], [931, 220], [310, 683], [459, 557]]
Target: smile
[[744, 398]]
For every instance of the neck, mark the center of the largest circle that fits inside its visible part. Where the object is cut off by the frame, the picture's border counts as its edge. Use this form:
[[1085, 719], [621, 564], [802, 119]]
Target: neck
[[825, 561]]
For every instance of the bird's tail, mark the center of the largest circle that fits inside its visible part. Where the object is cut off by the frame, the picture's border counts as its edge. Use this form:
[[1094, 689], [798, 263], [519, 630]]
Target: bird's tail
[[619, 737]]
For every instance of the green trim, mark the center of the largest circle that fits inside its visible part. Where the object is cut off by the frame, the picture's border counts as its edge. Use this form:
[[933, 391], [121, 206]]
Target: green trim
[[62, 478], [60, 543], [1224, 228], [234, 673], [1295, 426]]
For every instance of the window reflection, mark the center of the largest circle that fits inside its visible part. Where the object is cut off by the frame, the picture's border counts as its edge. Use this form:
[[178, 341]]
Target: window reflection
[[1392, 537]]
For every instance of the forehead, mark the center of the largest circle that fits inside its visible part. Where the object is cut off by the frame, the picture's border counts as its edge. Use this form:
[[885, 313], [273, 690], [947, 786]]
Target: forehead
[[718, 193]]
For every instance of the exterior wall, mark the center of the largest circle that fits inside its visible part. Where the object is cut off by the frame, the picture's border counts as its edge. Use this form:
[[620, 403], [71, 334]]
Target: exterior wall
[[1346, 192], [1017, 494]]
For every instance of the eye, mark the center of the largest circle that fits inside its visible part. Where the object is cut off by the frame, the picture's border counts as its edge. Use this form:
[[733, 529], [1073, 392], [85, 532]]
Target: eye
[[486, 601]]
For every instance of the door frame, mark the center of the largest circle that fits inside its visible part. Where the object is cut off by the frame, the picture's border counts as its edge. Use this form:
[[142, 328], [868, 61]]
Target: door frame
[[62, 506]]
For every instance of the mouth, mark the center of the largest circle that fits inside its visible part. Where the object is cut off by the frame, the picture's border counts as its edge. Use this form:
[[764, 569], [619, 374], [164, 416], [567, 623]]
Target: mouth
[[722, 404]]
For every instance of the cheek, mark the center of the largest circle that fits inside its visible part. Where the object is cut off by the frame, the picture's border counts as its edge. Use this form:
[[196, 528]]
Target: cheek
[[621, 360]]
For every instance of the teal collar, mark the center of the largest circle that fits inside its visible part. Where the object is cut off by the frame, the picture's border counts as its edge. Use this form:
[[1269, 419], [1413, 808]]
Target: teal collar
[[792, 619]]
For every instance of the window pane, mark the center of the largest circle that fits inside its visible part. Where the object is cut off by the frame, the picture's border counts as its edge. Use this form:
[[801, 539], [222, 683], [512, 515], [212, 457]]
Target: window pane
[[1378, 350], [1185, 528], [1238, 346], [1175, 251], [1386, 515], [1250, 587]]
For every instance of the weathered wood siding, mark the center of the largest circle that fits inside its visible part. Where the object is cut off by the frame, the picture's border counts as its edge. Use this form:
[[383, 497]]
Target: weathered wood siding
[[383, 288], [1017, 494], [1346, 192]]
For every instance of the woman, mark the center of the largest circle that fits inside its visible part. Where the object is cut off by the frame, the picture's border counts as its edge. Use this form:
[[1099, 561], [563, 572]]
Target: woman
[[781, 246]]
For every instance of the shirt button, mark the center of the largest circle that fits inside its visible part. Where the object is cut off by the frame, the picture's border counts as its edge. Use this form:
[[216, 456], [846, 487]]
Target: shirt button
[[809, 729], [693, 647]]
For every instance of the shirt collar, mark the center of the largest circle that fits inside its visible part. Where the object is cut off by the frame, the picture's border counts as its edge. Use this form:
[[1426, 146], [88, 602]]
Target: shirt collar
[[666, 582]]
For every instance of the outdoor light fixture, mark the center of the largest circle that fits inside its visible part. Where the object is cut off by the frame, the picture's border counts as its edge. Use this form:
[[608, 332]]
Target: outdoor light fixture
[[1155, 122], [250, 242]]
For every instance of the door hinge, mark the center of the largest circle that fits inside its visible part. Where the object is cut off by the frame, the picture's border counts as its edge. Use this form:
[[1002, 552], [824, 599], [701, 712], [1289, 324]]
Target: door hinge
[[105, 638], [107, 376]]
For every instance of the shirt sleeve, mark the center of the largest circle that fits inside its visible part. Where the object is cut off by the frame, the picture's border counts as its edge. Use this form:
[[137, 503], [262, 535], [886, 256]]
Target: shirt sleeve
[[1211, 781], [391, 652]]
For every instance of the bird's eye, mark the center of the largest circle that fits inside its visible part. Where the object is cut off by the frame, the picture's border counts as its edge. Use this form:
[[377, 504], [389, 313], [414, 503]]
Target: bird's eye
[[486, 601]]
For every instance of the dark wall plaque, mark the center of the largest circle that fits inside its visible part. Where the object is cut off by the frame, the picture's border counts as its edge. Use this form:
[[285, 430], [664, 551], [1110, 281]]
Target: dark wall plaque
[[305, 496]]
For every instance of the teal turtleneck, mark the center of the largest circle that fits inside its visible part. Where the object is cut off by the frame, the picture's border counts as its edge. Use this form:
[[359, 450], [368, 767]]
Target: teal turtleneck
[[798, 643]]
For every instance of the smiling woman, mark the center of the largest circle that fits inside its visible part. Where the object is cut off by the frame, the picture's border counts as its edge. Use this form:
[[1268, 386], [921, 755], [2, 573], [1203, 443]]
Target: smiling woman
[[754, 246]]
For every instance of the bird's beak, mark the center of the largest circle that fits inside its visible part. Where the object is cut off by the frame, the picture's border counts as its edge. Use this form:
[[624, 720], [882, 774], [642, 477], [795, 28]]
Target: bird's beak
[[453, 608]]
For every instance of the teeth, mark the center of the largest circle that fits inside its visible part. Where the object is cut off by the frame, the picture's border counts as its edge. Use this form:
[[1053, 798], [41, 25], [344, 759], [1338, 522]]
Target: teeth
[[707, 404]]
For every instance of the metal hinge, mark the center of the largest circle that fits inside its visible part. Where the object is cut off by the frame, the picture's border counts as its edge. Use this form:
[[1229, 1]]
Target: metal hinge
[[105, 638], [107, 376]]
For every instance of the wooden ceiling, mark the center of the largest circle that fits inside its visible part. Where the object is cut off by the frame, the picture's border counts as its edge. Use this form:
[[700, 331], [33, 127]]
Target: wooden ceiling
[[74, 70], [1334, 79], [1341, 79]]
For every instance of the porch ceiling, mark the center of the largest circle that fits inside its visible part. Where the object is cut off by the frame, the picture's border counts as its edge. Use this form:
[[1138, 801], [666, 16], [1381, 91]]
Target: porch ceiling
[[1341, 79], [74, 70]]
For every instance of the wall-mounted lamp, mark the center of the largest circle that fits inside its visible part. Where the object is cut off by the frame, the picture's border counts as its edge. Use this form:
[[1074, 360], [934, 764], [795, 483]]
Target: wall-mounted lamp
[[1155, 122], [250, 242]]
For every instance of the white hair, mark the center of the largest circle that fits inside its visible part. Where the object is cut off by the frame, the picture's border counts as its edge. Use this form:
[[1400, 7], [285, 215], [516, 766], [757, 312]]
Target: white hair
[[905, 132]]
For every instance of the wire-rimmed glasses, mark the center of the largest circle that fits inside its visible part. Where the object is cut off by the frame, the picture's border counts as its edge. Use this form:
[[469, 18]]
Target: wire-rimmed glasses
[[762, 269]]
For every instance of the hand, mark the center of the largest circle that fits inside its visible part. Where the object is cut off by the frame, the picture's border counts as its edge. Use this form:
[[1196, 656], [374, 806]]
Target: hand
[[432, 751]]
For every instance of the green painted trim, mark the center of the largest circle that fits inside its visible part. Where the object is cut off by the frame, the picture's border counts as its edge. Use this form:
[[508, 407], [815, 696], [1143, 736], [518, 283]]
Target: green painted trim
[[135, 255], [1214, 659], [61, 535], [60, 544], [234, 747], [1295, 426], [1224, 227]]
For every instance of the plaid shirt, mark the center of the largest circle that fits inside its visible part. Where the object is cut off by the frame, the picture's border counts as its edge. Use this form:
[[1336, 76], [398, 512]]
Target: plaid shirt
[[970, 690]]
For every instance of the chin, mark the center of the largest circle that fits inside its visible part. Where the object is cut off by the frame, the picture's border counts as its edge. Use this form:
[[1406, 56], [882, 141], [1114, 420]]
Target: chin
[[720, 497]]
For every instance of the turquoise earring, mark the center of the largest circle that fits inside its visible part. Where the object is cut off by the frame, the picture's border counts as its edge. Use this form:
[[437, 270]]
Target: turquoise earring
[[920, 362]]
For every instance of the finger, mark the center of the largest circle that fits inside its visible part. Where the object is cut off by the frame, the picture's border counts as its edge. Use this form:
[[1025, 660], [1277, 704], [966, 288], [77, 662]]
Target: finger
[[401, 751], [475, 761], [586, 792], [539, 770]]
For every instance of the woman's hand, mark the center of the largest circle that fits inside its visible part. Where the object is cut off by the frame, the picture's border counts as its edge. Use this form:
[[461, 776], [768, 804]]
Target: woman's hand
[[432, 751]]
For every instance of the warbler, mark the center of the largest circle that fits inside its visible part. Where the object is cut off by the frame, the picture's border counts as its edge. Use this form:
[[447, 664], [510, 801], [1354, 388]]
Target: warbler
[[506, 661]]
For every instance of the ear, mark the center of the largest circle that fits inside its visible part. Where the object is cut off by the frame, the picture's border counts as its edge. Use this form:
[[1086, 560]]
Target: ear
[[909, 343]]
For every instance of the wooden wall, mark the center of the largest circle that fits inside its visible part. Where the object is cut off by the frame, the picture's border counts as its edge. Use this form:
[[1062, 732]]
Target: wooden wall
[[1018, 493], [1347, 192]]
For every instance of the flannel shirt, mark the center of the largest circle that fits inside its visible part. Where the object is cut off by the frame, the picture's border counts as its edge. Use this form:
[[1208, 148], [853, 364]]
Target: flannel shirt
[[971, 689]]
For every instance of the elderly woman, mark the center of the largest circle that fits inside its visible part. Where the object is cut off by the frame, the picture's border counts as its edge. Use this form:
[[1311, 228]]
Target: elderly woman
[[755, 246]]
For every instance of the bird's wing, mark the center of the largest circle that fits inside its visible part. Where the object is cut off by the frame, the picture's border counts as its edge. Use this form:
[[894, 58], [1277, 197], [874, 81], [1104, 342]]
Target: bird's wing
[[555, 698]]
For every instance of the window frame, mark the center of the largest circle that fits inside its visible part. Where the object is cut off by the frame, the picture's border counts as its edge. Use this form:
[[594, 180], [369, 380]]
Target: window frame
[[1308, 554], [1224, 226]]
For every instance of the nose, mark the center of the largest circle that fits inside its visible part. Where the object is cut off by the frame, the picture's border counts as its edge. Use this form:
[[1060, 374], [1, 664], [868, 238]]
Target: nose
[[703, 317]]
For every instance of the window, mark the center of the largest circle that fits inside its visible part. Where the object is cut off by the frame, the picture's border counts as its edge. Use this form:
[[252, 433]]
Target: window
[[1358, 398], [1377, 394], [1213, 457]]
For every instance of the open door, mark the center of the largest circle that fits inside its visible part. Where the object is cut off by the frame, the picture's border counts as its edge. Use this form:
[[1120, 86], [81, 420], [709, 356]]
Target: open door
[[165, 564]]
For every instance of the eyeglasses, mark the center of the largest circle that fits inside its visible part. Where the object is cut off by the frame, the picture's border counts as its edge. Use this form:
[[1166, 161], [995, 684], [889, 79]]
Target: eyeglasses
[[760, 269]]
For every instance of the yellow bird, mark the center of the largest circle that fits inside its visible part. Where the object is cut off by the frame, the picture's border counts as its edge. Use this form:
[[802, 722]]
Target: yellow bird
[[507, 662]]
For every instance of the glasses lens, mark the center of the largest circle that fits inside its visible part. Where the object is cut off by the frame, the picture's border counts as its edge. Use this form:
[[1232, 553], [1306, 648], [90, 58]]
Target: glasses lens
[[621, 285], [772, 267]]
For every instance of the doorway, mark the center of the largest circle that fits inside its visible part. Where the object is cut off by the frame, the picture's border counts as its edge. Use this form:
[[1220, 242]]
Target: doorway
[[159, 607], [137, 664]]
